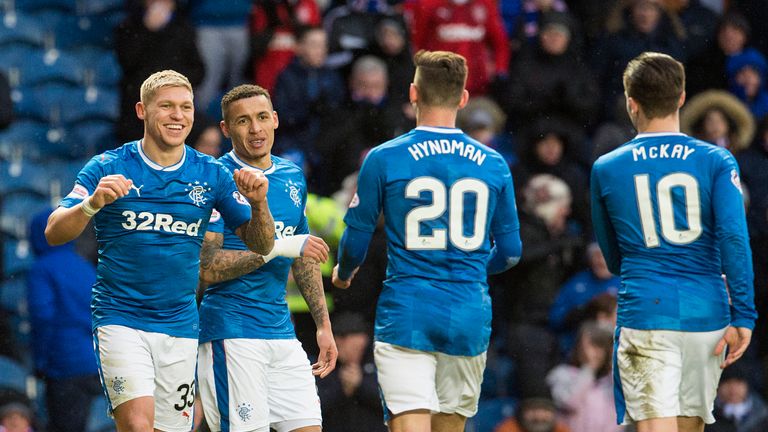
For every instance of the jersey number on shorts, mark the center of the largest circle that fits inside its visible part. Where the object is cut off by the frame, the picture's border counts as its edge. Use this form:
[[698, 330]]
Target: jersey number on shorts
[[666, 217], [187, 392], [454, 202]]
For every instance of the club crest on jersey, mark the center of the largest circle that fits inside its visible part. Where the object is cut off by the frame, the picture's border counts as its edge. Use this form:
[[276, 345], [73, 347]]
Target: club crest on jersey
[[197, 192], [293, 192], [735, 180]]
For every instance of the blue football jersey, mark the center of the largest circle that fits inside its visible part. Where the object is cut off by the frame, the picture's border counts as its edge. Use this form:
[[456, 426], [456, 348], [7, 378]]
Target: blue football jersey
[[253, 305], [149, 241], [443, 194], [669, 215]]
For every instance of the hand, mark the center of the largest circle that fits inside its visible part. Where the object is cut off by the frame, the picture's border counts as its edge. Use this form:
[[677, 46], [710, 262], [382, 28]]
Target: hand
[[109, 189], [326, 360], [252, 184], [737, 339], [316, 248], [341, 283], [350, 375]]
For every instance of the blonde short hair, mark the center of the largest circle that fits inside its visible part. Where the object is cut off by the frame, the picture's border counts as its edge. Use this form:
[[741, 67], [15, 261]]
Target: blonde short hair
[[164, 78]]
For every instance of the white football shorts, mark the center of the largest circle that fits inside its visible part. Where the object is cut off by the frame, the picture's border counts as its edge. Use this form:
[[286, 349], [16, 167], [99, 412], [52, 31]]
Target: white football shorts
[[134, 363], [664, 373], [255, 384], [411, 379]]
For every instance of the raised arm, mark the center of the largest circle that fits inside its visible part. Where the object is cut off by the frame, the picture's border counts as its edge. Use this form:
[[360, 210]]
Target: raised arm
[[308, 277], [66, 224], [258, 233]]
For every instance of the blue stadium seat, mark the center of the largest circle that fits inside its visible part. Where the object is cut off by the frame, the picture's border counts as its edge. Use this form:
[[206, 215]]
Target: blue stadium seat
[[17, 256], [29, 67], [13, 296], [490, 413], [90, 137], [15, 211], [97, 7], [20, 29], [90, 103], [73, 32], [100, 66], [62, 176], [13, 375], [34, 141], [21, 175]]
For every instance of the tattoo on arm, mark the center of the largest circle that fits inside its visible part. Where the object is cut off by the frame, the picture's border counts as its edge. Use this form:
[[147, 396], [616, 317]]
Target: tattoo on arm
[[259, 233], [306, 272], [219, 265]]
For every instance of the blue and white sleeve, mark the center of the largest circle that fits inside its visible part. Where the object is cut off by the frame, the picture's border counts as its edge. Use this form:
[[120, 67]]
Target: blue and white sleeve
[[735, 253]]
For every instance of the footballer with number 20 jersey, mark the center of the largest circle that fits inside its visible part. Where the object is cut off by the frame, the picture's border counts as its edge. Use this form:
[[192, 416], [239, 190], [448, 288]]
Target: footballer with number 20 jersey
[[262, 311], [149, 240], [669, 214], [443, 194]]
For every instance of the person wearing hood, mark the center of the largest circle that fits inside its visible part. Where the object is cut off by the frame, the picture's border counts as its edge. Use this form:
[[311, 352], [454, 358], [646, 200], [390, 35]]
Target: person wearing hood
[[720, 118], [746, 79], [59, 295]]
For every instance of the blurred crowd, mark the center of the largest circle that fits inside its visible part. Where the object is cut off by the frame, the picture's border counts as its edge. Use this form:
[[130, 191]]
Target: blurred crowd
[[546, 92]]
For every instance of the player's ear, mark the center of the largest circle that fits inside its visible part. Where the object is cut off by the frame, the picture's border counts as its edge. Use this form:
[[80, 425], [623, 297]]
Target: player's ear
[[224, 128], [275, 119], [140, 110], [413, 93], [682, 100], [464, 98]]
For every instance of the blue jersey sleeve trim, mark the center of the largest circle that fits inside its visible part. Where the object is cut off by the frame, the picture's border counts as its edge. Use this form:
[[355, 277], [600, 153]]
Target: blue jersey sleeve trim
[[505, 253], [352, 250]]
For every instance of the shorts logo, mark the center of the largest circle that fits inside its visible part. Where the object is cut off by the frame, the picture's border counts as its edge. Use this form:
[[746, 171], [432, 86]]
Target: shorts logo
[[118, 384], [294, 193], [197, 192], [244, 411]]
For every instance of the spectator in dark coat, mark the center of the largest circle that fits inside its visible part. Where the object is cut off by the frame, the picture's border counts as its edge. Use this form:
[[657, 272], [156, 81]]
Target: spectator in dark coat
[[153, 37], [738, 408]]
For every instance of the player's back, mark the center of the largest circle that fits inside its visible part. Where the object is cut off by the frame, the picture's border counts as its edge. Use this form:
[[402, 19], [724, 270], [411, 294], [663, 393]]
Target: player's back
[[659, 192], [439, 191]]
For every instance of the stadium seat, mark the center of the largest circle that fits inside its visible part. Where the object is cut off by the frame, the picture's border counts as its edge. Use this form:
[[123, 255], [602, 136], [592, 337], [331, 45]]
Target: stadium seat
[[28, 67], [490, 413], [15, 211], [73, 32], [13, 296], [100, 66], [34, 141], [89, 103], [97, 7], [17, 256], [61, 176], [20, 29], [23, 176], [13, 375], [90, 137]]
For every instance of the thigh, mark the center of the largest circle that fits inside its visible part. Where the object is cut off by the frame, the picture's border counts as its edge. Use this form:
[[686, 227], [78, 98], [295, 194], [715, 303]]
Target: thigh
[[649, 373], [701, 374], [406, 378], [293, 400], [125, 364], [175, 360], [458, 380], [233, 383]]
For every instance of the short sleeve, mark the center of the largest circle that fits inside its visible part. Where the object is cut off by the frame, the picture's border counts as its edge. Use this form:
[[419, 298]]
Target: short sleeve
[[85, 183]]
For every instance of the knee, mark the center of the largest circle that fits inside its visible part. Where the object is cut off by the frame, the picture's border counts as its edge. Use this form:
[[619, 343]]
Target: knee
[[135, 423]]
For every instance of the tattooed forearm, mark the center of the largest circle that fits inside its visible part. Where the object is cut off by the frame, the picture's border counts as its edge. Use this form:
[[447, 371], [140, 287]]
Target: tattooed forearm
[[306, 272], [259, 233], [218, 265]]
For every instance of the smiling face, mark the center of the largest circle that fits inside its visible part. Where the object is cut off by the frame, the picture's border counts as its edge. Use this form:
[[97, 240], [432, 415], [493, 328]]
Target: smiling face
[[168, 117], [251, 124]]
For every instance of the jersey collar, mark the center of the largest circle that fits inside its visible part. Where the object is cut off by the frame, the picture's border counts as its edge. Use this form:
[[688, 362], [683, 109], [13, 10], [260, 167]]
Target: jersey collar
[[659, 134], [442, 130], [240, 162], [156, 166]]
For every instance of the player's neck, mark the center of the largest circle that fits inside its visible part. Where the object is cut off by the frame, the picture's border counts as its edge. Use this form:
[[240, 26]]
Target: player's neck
[[670, 123], [262, 163], [436, 117], [162, 155]]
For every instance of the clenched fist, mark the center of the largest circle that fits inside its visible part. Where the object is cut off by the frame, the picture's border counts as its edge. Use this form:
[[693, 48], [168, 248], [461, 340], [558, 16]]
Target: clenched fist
[[109, 189], [252, 184]]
